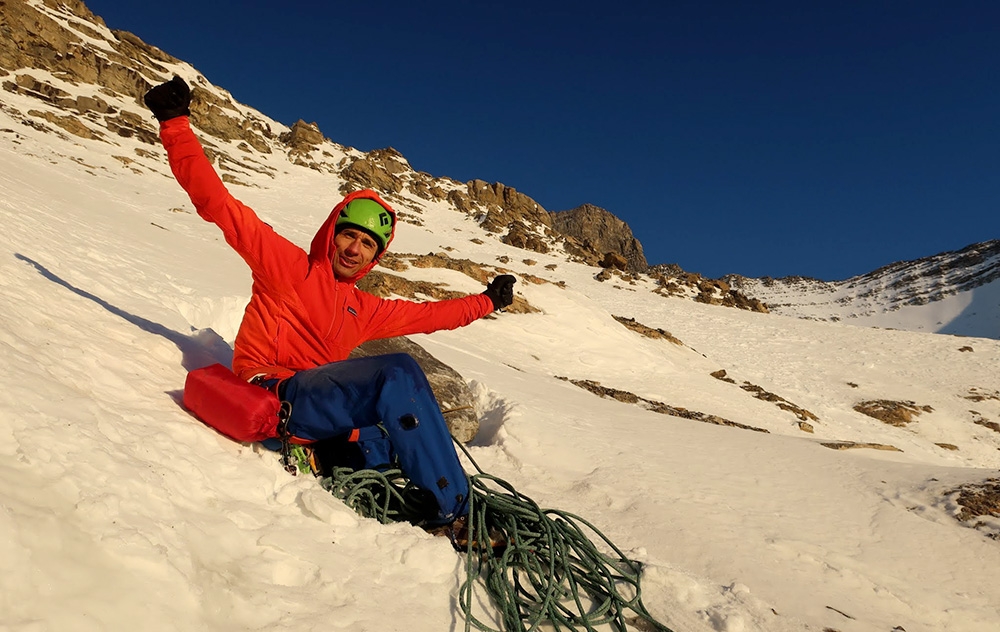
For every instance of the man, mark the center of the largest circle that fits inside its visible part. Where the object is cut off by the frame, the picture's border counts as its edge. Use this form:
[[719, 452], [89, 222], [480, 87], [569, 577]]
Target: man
[[305, 315]]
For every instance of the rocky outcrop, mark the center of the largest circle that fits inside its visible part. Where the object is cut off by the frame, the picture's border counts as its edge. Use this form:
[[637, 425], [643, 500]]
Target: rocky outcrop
[[380, 169], [891, 412], [592, 232], [303, 137], [388, 285], [505, 206], [521, 221], [879, 298], [521, 235], [673, 281], [656, 406], [939, 275], [220, 118], [31, 38], [123, 65]]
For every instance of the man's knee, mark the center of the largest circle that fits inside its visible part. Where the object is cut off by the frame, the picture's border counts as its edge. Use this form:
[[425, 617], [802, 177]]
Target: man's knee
[[402, 361]]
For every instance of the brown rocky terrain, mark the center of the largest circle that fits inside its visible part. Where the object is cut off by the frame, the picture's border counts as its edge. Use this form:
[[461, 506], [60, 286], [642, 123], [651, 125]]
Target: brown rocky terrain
[[656, 406], [591, 230]]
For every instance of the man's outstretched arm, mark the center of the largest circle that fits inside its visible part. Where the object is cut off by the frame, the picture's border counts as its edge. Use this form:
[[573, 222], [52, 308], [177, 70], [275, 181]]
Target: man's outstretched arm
[[267, 253]]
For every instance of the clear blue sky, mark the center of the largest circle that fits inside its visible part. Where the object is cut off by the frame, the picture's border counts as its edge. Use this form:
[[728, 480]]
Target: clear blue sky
[[821, 139]]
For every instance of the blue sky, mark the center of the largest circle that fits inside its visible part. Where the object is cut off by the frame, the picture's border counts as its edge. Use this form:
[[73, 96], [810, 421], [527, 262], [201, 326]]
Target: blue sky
[[821, 139]]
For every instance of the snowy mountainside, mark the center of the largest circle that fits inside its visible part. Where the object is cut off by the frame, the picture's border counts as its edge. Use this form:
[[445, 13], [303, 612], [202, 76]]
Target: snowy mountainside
[[950, 293], [121, 510]]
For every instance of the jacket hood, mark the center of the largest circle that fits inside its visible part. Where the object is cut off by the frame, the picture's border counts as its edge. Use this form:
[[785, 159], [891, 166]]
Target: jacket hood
[[322, 247]]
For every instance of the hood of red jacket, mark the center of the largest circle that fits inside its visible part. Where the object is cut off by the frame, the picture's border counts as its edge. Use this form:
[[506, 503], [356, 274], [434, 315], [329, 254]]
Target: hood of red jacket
[[321, 250]]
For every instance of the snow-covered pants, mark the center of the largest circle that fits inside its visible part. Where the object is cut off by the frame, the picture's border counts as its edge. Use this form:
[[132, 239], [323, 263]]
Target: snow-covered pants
[[385, 405]]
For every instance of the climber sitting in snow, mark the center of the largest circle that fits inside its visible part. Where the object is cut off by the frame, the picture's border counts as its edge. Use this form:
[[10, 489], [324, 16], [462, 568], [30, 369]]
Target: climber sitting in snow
[[305, 316]]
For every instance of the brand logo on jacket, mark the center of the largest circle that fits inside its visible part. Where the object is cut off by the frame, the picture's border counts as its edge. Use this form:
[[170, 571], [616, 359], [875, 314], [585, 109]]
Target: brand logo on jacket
[[350, 310]]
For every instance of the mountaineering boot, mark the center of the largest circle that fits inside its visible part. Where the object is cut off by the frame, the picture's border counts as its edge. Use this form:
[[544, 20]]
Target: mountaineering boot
[[458, 533], [303, 459]]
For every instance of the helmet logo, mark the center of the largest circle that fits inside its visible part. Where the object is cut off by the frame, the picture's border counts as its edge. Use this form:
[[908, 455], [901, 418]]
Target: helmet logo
[[370, 215]]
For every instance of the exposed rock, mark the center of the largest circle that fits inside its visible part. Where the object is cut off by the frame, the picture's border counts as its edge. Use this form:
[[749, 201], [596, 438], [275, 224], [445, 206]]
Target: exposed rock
[[649, 332], [597, 231], [666, 269], [979, 420], [501, 208], [917, 282], [303, 137], [674, 281], [390, 285], [70, 124], [759, 393], [891, 412], [780, 402], [450, 389], [424, 186], [31, 39], [851, 445], [219, 117], [520, 236], [505, 205], [614, 260], [379, 169], [390, 160], [655, 406], [979, 395], [26, 84], [979, 500], [460, 201], [467, 267], [128, 125], [721, 375], [86, 104]]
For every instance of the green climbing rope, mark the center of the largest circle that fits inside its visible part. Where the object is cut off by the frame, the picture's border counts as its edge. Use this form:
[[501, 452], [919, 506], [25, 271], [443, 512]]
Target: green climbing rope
[[549, 572], [387, 496]]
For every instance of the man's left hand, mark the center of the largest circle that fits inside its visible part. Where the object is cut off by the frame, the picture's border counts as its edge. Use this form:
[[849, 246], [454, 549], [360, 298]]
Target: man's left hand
[[501, 291]]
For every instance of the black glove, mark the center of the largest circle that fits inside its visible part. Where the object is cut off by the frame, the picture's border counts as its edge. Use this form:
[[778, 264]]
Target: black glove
[[169, 100], [501, 291]]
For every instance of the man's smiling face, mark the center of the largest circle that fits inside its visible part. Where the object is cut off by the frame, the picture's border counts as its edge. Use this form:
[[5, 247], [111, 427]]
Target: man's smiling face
[[353, 250]]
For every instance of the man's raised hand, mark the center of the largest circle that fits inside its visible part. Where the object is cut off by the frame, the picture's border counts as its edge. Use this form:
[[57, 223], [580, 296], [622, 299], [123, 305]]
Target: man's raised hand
[[169, 100]]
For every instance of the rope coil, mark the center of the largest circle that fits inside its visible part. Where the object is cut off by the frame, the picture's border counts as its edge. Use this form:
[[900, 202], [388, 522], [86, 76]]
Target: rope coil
[[549, 572]]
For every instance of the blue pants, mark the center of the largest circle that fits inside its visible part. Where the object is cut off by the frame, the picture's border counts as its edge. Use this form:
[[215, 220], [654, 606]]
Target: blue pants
[[385, 404]]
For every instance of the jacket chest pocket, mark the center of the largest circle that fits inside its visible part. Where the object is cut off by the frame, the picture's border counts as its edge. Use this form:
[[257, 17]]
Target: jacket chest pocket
[[344, 328]]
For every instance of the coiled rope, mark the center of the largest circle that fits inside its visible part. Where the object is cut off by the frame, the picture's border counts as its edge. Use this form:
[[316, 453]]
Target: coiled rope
[[549, 573]]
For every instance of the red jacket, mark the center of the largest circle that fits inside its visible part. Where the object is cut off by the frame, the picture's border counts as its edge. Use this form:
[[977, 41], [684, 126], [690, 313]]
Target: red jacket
[[300, 315]]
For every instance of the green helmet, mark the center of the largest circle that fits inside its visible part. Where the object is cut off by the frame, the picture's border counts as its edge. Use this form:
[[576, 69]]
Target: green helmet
[[370, 216]]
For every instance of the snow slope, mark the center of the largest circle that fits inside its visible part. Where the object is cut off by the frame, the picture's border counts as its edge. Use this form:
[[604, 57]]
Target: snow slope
[[121, 511], [954, 293]]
